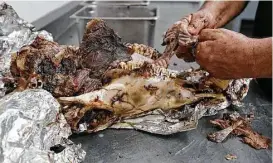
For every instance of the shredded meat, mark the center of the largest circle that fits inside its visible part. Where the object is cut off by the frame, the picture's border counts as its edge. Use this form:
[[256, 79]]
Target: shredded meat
[[45, 64], [250, 137], [105, 80], [68, 70]]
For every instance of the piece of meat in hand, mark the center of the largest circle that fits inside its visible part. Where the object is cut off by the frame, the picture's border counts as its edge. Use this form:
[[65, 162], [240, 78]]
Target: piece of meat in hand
[[178, 41]]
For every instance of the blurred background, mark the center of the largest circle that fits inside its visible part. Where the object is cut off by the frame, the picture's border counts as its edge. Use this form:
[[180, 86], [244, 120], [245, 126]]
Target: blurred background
[[135, 21]]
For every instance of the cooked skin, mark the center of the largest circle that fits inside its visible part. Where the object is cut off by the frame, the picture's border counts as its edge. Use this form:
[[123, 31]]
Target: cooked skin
[[105, 81], [135, 93], [239, 126]]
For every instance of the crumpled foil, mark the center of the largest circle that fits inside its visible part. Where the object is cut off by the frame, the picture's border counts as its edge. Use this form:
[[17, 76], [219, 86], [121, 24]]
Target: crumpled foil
[[186, 118], [238, 89], [35, 130], [32, 128], [14, 33]]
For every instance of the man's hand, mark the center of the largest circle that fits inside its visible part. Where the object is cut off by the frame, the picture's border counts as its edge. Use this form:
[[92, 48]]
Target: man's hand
[[226, 54], [185, 32], [200, 20], [212, 14], [177, 33]]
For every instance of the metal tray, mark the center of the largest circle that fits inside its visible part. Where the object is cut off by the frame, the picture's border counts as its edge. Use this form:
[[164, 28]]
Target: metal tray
[[134, 24], [119, 3]]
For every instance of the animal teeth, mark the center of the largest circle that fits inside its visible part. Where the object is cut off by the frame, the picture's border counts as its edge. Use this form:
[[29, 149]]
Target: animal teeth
[[130, 65], [173, 75], [143, 50], [122, 65]]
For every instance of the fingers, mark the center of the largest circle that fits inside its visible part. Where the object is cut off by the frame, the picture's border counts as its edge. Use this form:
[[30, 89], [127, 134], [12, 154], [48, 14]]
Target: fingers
[[204, 58], [184, 54], [181, 50], [196, 25], [203, 51], [200, 20], [210, 34], [207, 34]]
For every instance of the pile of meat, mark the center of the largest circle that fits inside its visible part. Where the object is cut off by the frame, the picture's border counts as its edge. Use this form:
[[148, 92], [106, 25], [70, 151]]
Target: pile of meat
[[106, 83]]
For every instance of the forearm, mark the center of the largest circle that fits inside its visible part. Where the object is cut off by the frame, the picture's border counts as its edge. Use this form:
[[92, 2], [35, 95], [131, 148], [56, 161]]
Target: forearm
[[262, 56], [223, 11]]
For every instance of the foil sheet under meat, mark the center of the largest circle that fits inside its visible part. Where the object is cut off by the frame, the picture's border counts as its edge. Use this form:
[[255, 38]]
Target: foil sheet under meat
[[32, 128]]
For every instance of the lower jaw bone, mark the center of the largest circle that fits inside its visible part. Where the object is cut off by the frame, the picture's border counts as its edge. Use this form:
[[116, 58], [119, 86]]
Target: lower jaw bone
[[128, 97]]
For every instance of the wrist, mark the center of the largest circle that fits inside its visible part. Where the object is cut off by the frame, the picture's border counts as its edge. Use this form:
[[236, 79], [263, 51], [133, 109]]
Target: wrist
[[222, 11], [210, 16], [251, 57], [262, 57]]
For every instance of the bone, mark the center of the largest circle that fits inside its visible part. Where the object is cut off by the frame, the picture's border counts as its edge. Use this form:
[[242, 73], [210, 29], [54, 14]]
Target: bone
[[220, 136], [144, 50], [84, 98], [139, 57]]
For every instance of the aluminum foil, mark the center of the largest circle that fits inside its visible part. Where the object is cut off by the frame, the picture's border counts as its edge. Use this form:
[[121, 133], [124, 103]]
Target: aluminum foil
[[186, 118], [32, 128], [14, 33], [237, 90]]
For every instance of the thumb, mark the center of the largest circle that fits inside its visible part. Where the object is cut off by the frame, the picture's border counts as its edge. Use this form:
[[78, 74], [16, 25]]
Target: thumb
[[196, 25], [208, 34]]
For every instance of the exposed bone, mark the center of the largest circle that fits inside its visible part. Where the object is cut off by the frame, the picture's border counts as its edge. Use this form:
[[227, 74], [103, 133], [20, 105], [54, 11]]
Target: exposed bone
[[131, 95], [144, 50], [112, 83], [138, 57], [220, 136], [230, 157], [250, 137]]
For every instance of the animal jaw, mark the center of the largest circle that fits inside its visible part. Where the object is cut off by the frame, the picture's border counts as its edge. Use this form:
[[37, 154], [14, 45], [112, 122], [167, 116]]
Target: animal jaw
[[135, 91]]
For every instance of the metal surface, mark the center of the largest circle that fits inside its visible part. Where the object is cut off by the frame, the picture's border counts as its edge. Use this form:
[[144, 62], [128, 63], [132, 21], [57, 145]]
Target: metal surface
[[133, 24], [123, 146], [123, 3]]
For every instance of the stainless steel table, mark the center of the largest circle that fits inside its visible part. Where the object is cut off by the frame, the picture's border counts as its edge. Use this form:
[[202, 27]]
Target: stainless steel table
[[129, 146]]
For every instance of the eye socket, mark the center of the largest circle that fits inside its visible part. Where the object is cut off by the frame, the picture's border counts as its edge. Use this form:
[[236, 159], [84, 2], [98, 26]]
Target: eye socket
[[39, 83], [33, 85]]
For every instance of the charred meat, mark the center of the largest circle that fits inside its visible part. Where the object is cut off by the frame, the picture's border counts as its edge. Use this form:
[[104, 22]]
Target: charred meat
[[68, 70], [106, 83], [239, 126]]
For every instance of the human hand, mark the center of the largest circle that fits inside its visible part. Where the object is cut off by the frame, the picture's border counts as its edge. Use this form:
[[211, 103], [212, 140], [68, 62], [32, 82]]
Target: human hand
[[185, 32], [177, 31], [225, 54]]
